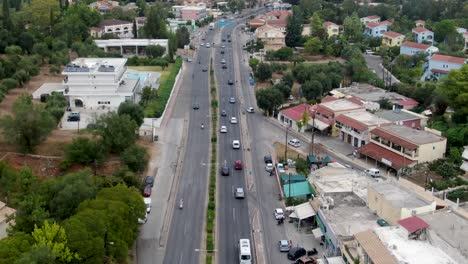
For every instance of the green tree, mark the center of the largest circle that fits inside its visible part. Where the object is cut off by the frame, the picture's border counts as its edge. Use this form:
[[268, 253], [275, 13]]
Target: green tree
[[269, 99], [443, 29], [148, 94], [312, 90], [29, 125], [155, 25], [263, 71], [83, 151], [43, 13], [117, 131], [253, 63], [141, 7], [352, 27], [456, 89], [30, 212], [42, 50], [313, 45], [317, 29], [294, 26], [54, 237], [288, 79], [135, 157], [37, 255], [155, 51], [284, 89], [14, 50], [135, 112], [283, 54], [183, 37], [12, 247]]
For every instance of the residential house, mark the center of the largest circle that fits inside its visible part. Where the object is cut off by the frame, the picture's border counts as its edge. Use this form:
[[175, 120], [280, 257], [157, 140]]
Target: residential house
[[256, 23], [104, 6], [189, 13], [100, 83], [440, 65], [370, 19], [120, 28], [423, 35], [370, 96], [306, 30], [410, 48], [326, 113], [5, 213], [464, 165], [177, 11], [465, 36], [277, 19], [396, 146], [354, 127], [367, 248], [393, 202], [403, 117], [392, 39], [272, 37], [292, 115], [130, 47], [420, 23], [464, 33], [331, 28], [374, 29]]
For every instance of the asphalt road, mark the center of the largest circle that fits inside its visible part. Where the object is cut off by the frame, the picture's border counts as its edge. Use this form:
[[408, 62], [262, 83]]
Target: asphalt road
[[374, 63], [233, 215], [185, 234]]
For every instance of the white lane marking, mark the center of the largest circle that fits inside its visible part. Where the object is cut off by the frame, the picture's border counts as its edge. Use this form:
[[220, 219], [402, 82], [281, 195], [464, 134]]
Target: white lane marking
[[234, 214], [181, 256]]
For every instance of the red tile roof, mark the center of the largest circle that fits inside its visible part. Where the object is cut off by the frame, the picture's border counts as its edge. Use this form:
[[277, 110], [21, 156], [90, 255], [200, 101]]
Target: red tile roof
[[351, 122], [392, 34], [413, 224], [296, 112], [324, 110], [257, 21], [379, 131], [415, 45], [439, 71], [113, 22], [328, 24], [420, 30], [407, 102], [386, 22], [328, 98], [373, 17], [420, 21], [372, 24], [450, 59], [277, 23], [377, 152], [355, 100]]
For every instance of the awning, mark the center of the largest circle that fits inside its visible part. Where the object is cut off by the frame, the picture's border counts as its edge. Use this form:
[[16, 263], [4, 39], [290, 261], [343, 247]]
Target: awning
[[317, 232], [320, 125], [385, 156], [303, 211]]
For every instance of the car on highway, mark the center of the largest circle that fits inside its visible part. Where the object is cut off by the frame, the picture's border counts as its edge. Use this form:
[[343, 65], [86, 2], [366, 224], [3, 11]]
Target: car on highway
[[222, 52], [279, 213], [73, 117], [223, 61], [223, 129], [230, 82], [269, 167], [205, 69], [223, 113], [294, 142], [147, 191], [250, 109], [202, 44], [208, 45], [240, 193], [223, 46], [233, 120], [223, 40], [296, 252], [149, 180], [236, 144], [232, 100], [225, 170], [196, 106], [229, 40], [267, 159], [224, 66], [284, 246], [238, 164]]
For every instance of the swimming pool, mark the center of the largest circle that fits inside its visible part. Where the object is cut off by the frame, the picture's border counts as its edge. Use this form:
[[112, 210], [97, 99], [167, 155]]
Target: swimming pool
[[143, 76]]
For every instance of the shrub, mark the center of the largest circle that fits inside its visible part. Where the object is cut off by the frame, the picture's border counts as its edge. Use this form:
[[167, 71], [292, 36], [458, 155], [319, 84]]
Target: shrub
[[10, 83], [135, 157], [83, 151]]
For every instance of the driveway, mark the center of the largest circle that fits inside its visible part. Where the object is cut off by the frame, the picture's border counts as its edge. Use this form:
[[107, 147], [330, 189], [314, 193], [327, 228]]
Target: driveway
[[374, 63]]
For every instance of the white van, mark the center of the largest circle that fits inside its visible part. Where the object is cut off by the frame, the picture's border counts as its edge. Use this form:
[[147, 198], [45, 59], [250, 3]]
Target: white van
[[245, 255], [147, 204], [373, 172]]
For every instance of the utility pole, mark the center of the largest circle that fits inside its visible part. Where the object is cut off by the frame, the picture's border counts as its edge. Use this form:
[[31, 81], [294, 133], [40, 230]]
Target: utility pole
[[286, 144], [311, 149]]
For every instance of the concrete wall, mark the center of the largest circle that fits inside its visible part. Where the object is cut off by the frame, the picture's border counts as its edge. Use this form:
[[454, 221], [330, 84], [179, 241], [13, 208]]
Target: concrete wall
[[405, 212], [432, 151], [3, 228], [384, 208]]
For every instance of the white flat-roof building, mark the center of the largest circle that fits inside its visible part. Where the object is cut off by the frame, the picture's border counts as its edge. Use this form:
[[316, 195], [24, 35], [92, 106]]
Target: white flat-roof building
[[130, 47], [99, 83]]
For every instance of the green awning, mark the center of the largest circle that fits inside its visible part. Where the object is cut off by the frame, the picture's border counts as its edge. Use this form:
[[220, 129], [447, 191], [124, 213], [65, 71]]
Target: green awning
[[297, 189], [327, 159], [293, 177]]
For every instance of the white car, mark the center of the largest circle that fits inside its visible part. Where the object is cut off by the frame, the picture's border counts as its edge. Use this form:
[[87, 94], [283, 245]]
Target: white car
[[294, 142], [269, 167], [250, 109], [240, 193], [279, 214], [208, 45], [202, 44], [223, 61], [233, 120], [280, 167], [236, 144], [223, 129]]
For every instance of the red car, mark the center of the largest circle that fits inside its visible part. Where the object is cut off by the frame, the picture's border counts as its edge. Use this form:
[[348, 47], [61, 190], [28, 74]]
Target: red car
[[238, 165], [147, 191]]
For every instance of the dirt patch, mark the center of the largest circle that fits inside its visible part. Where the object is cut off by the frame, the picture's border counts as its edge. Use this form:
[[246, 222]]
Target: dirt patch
[[57, 140], [280, 148], [419, 177]]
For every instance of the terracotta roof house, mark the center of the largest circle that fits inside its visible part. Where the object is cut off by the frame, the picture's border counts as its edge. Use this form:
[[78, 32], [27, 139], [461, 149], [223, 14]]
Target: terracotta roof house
[[331, 28], [413, 224], [272, 37], [367, 19], [292, 115], [256, 22], [420, 23], [392, 39], [423, 35], [441, 65], [327, 112], [376, 29], [410, 48]]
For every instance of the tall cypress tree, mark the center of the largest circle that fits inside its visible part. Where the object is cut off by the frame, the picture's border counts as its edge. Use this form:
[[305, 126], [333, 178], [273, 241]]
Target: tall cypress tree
[[135, 29], [7, 24]]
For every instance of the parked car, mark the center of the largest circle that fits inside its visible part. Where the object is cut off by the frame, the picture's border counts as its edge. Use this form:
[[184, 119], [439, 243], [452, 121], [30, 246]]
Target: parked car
[[238, 165], [294, 142], [147, 191], [149, 180], [269, 167], [188, 59], [284, 246], [267, 159], [280, 167], [233, 120], [250, 109], [222, 52], [236, 144], [240, 193], [223, 129], [296, 252], [225, 170], [73, 117], [306, 260], [382, 222], [279, 213], [373, 172]]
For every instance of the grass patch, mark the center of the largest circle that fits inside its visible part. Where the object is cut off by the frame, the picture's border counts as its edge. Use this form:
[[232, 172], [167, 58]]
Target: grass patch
[[164, 72], [292, 154], [155, 108], [211, 210]]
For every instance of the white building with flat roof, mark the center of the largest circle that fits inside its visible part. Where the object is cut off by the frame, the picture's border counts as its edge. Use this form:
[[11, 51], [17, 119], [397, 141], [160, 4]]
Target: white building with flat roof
[[99, 83], [130, 47]]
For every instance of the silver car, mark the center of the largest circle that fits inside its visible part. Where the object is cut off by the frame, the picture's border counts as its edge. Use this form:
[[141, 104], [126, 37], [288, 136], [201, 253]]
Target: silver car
[[284, 245]]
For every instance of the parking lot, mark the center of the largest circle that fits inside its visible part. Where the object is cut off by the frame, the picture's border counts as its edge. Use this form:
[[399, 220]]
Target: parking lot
[[86, 117]]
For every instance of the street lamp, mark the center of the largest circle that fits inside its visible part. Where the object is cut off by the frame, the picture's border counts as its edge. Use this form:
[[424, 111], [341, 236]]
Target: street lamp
[[311, 149]]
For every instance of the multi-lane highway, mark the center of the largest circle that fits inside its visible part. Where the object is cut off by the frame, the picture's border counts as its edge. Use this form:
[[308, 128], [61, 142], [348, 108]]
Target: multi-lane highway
[[186, 229], [233, 214]]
